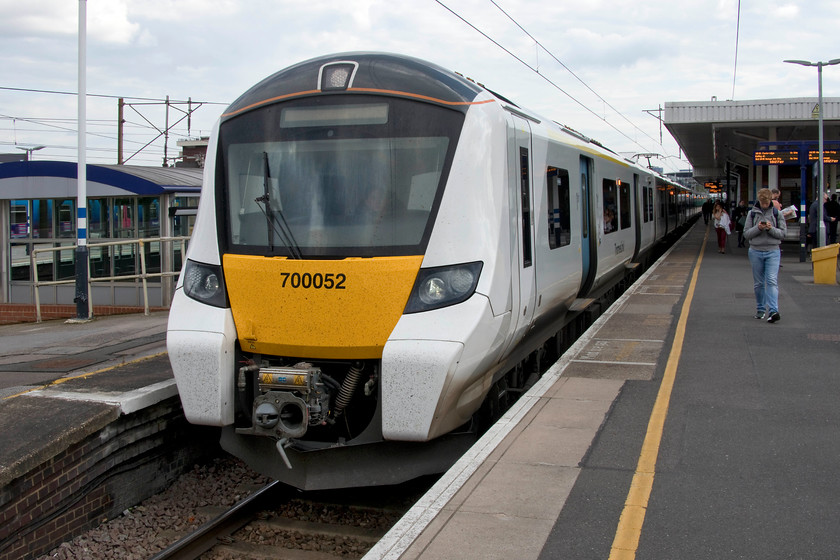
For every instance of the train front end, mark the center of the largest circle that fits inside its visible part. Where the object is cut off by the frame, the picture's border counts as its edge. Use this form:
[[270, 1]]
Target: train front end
[[318, 206]]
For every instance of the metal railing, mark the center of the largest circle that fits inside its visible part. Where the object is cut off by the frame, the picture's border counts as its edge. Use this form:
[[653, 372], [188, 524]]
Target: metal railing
[[143, 276]]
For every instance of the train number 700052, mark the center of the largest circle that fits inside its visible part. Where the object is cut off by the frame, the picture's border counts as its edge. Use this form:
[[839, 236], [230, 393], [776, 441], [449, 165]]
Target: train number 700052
[[318, 281]]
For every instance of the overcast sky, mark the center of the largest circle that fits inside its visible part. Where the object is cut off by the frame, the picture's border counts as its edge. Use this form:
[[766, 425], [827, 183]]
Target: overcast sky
[[601, 63]]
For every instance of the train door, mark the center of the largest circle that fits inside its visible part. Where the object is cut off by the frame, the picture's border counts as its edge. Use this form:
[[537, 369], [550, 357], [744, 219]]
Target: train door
[[662, 207], [588, 242], [522, 186], [637, 216]]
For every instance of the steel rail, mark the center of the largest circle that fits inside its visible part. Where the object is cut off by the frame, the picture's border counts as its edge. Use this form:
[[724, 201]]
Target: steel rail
[[207, 536]]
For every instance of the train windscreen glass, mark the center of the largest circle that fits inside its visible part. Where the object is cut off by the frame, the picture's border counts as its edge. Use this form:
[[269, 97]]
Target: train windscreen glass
[[337, 180]]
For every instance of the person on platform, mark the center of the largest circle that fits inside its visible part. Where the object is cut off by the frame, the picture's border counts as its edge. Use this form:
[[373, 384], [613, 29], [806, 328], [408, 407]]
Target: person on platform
[[707, 210], [722, 225], [813, 225], [764, 229], [832, 208], [777, 194], [739, 218]]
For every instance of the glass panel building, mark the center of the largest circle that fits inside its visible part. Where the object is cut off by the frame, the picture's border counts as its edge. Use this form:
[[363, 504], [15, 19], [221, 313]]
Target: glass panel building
[[38, 210]]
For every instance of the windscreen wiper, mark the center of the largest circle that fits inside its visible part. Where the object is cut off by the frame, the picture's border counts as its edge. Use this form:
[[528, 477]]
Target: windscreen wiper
[[275, 225]]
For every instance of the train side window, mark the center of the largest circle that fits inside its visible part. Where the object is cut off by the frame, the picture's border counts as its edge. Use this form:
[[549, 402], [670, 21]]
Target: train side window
[[651, 206], [559, 217], [661, 197], [624, 204], [610, 206], [526, 207]]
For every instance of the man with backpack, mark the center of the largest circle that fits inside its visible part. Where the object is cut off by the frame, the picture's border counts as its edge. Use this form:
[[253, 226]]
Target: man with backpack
[[765, 229]]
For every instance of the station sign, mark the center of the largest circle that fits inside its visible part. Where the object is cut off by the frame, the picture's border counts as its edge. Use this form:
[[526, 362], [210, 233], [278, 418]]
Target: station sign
[[776, 157], [829, 156]]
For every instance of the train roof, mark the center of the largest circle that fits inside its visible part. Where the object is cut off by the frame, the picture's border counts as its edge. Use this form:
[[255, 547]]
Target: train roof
[[361, 72], [393, 74]]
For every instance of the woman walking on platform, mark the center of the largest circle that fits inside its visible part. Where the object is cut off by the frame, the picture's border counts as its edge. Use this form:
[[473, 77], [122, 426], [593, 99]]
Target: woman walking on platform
[[764, 229], [722, 225]]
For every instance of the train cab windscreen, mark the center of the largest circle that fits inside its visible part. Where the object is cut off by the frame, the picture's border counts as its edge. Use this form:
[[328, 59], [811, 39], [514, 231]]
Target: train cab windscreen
[[329, 179]]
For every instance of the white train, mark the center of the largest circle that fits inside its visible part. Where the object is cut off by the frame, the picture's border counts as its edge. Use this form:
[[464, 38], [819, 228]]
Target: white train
[[379, 242]]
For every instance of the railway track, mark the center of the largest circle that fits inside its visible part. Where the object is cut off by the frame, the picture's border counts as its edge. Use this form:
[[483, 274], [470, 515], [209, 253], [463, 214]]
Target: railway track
[[278, 522]]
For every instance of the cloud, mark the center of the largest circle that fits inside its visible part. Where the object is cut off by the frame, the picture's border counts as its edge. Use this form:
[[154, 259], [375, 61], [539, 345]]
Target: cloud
[[106, 20], [196, 11], [38, 18], [786, 11]]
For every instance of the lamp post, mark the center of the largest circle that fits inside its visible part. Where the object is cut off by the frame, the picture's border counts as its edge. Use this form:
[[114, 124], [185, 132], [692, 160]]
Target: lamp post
[[81, 253], [30, 150], [820, 241]]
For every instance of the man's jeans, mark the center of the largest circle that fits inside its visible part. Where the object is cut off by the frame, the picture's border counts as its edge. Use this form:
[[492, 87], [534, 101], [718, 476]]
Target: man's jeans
[[765, 269]]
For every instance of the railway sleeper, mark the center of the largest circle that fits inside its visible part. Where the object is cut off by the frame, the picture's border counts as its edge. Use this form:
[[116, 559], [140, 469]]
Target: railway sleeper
[[282, 524], [275, 531], [253, 551]]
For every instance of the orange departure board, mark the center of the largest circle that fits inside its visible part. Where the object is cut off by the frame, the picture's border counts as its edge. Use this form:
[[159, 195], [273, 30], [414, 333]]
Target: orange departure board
[[829, 156], [776, 157]]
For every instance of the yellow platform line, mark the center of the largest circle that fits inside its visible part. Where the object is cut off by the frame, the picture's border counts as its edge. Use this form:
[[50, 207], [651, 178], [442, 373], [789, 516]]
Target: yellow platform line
[[629, 530], [61, 380]]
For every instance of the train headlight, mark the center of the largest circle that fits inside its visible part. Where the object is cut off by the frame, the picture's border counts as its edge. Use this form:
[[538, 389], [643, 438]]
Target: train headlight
[[443, 286], [203, 282], [432, 291]]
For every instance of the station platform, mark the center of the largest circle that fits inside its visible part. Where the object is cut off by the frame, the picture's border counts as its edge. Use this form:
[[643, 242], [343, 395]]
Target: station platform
[[678, 426], [88, 412], [74, 362], [32, 354]]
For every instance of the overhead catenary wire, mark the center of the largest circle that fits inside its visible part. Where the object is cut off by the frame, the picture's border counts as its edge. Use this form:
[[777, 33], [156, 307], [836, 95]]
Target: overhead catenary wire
[[570, 71], [106, 96], [54, 125], [50, 125], [551, 82]]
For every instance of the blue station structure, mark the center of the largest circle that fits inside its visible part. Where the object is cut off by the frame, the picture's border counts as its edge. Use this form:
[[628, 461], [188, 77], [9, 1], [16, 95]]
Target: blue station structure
[[125, 203], [736, 144]]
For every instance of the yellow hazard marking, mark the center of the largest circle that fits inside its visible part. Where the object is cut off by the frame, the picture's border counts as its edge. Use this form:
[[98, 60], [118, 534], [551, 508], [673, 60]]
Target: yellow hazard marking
[[629, 530], [61, 380]]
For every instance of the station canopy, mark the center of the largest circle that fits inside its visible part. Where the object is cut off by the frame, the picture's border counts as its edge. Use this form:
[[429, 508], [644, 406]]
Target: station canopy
[[712, 133], [57, 179]]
